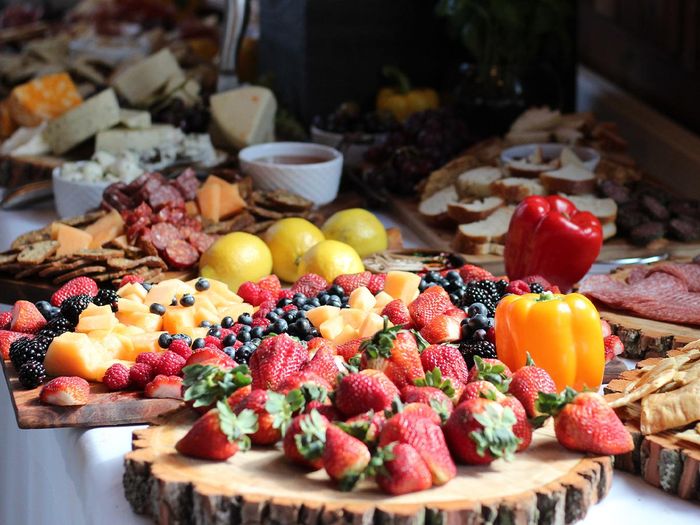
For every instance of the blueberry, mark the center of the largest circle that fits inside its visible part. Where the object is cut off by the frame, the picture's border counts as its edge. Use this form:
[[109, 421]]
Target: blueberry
[[198, 343], [174, 301], [187, 300], [453, 276], [479, 334], [205, 324], [246, 328], [454, 298], [227, 322], [315, 302], [229, 340], [279, 311], [164, 340], [433, 277], [44, 308], [477, 322], [157, 308], [272, 316], [257, 332], [214, 332], [229, 351], [477, 309], [243, 336], [280, 326], [302, 326], [290, 316], [285, 301], [335, 301], [466, 332], [147, 286], [184, 337], [299, 300], [201, 284], [336, 289], [245, 318]]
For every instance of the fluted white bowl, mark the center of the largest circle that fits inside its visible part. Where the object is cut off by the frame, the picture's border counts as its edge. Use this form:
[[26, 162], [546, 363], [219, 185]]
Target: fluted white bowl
[[318, 182], [76, 197]]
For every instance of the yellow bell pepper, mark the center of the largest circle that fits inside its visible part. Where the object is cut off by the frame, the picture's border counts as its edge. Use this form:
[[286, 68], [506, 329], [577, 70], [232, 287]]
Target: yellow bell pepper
[[562, 333], [402, 101]]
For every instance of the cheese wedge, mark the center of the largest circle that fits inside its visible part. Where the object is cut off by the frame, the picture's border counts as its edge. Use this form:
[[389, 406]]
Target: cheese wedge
[[144, 79], [43, 98], [244, 116]]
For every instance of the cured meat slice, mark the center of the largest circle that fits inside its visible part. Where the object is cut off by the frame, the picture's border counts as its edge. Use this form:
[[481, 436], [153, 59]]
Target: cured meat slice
[[688, 273], [180, 255], [165, 195], [201, 241], [163, 234], [187, 184]]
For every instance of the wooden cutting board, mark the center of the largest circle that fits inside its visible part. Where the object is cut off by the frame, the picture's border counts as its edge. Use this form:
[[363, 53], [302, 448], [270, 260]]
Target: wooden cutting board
[[545, 484], [103, 409]]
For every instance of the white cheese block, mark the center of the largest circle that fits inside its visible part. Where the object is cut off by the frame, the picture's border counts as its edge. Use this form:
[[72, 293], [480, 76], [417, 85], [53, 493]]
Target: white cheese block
[[118, 140], [244, 116], [139, 82], [26, 141], [82, 122], [134, 118]]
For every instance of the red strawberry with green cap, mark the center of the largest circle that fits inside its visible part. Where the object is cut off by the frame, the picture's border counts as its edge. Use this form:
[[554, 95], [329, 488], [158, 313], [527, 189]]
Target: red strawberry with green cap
[[397, 313], [65, 391], [351, 281], [522, 427], [442, 329], [480, 389], [210, 356], [305, 440], [427, 438], [350, 348], [345, 458], [26, 318], [526, 384], [393, 351], [429, 305], [323, 361], [613, 347], [218, 434], [274, 414], [366, 390], [469, 272], [78, 286], [583, 421], [434, 398], [205, 385], [401, 469], [491, 370], [365, 427], [276, 359], [480, 431], [238, 395], [164, 386], [449, 360]]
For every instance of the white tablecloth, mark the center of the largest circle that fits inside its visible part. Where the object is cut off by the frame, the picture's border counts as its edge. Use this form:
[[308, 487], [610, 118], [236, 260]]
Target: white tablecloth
[[74, 477]]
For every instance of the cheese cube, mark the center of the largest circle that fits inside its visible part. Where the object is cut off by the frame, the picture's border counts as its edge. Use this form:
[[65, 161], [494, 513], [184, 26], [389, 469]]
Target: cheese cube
[[82, 122], [244, 116], [144, 79], [118, 140], [134, 119], [43, 98]]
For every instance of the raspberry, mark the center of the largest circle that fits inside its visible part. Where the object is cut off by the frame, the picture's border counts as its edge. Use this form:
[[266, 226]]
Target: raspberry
[[271, 284], [289, 307], [227, 331], [518, 287], [532, 279], [266, 296], [286, 294], [261, 321], [376, 283], [150, 358], [140, 374], [78, 286], [116, 377], [210, 340], [180, 347], [469, 272], [250, 293], [264, 309], [131, 278], [170, 364], [310, 284]]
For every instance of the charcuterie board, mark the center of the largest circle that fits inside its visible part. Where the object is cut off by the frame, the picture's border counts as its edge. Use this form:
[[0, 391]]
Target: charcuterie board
[[545, 484], [103, 409]]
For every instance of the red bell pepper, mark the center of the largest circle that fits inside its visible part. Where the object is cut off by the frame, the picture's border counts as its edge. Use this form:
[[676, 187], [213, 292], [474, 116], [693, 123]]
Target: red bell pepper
[[548, 236]]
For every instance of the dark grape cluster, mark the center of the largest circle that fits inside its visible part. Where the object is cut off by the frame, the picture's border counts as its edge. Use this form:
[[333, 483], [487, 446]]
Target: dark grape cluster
[[462, 294], [349, 118], [190, 119]]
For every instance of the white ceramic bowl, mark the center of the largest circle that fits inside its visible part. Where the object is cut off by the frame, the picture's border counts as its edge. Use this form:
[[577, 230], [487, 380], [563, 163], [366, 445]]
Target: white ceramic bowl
[[76, 197], [353, 152], [588, 156], [317, 182]]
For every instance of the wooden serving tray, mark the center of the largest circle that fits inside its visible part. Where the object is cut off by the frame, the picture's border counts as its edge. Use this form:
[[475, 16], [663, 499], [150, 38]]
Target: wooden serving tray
[[662, 460], [545, 484], [103, 409]]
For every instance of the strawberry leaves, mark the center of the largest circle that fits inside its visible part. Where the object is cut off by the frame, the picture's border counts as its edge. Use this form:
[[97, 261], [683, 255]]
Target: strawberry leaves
[[237, 427], [311, 441], [493, 373], [552, 404], [207, 384], [435, 380], [496, 435], [382, 343]]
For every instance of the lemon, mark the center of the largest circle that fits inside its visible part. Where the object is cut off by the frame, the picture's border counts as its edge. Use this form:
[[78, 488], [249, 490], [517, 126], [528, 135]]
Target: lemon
[[358, 228], [329, 259], [236, 258], [288, 240]]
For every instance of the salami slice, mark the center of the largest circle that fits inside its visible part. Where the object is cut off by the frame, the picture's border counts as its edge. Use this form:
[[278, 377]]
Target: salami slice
[[163, 234], [145, 242], [165, 195], [187, 184], [180, 255], [201, 241]]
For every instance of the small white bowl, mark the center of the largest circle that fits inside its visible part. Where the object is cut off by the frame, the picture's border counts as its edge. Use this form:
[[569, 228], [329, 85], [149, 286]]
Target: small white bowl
[[353, 152], [76, 197], [318, 181], [588, 156]]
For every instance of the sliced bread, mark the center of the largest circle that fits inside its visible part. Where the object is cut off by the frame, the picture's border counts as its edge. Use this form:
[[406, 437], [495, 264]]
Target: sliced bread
[[477, 182], [476, 238], [609, 230], [471, 210], [528, 169], [571, 179], [515, 189], [434, 208], [568, 157], [604, 209], [527, 137], [447, 175], [537, 119]]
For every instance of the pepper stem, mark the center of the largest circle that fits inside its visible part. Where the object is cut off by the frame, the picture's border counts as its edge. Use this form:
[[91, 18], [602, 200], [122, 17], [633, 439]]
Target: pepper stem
[[545, 296], [399, 77]]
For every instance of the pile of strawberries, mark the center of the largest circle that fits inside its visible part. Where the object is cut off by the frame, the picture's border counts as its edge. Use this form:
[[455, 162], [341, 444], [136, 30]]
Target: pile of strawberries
[[24, 320]]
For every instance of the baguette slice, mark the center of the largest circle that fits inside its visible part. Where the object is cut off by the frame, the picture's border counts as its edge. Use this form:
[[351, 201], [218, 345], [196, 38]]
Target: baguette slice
[[609, 230], [604, 209], [478, 237], [537, 119], [515, 189], [477, 182], [434, 208], [570, 179], [464, 212], [530, 170]]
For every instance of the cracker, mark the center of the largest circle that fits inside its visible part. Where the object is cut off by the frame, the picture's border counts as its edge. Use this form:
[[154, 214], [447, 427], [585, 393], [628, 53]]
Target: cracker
[[122, 263], [258, 227], [240, 221], [62, 265], [286, 201], [32, 270], [99, 254], [7, 258], [110, 276], [85, 270], [31, 237], [87, 218], [38, 252], [265, 213]]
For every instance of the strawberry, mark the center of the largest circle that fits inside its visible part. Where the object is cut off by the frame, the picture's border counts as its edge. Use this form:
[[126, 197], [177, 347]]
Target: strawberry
[[607, 329], [140, 374], [238, 395], [526, 384], [131, 278], [249, 292], [150, 358], [430, 396], [205, 384], [397, 312], [274, 415], [181, 348], [169, 364], [427, 438], [491, 370], [352, 281], [300, 379], [218, 434], [448, 360], [164, 386], [210, 356], [429, 305], [323, 361], [376, 283], [469, 272], [276, 359], [271, 284], [613, 347], [345, 458], [26, 318], [442, 329], [403, 471], [78, 286], [584, 422], [522, 427], [366, 427], [422, 410], [325, 408], [65, 391], [305, 440], [310, 284], [350, 348], [394, 352], [7, 337], [480, 389], [116, 377], [5, 320], [367, 390], [518, 287], [480, 431], [456, 313]]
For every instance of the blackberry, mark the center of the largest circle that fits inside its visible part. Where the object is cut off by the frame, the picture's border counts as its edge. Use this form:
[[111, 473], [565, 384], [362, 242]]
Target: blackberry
[[31, 374], [536, 288], [72, 307], [501, 287], [484, 292], [32, 350], [58, 325], [483, 349], [105, 297]]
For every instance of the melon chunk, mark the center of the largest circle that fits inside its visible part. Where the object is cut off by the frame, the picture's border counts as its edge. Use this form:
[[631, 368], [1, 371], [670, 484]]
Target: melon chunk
[[105, 229], [70, 239], [132, 289], [382, 299], [91, 323], [145, 342], [111, 342], [362, 298], [230, 201], [148, 322], [194, 331], [348, 333], [93, 309], [332, 327], [209, 201], [191, 208], [164, 291], [131, 305], [353, 316], [234, 310], [318, 316], [373, 323], [75, 354], [402, 285], [178, 318]]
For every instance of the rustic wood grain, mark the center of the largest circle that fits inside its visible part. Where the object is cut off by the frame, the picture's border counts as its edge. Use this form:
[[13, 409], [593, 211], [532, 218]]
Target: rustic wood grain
[[546, 484]]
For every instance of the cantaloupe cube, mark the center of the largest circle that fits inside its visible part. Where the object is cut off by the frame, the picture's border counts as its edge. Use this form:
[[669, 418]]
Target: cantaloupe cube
[[178, 318], [362, 298], [126, 329], [382, 299], [127, 351], [235, 309], [195, 331], [75, 354], [149, 322], [70, 239], [91, 323], [164, 291], [331, 328], [318, 316], [145, 342], [131, 305], [105, 229], [110, 341], [209, 201], [133, 289], [218, 288], [93, 309], [230, 201], [353, 316], [202, 301], [348, 333], [203, 314], [373, 323], [402, 285], [191, 208]]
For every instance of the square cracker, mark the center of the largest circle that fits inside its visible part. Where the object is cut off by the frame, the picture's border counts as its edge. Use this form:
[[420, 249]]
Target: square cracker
[[38, 252]]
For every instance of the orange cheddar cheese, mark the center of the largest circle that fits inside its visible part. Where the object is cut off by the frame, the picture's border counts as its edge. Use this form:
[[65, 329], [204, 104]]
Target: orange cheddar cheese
[[7, 123], [43, 98], [70, 239]]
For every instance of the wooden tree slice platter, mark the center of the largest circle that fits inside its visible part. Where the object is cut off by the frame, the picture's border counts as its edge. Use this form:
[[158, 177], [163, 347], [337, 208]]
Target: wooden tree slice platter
[[104, 408], [546, 484], [662, 460]]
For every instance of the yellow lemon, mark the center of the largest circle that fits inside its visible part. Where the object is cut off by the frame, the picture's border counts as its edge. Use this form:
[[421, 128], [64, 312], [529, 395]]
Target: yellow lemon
[[329, 259], [358, 228], [236, 258], [288, 240]]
